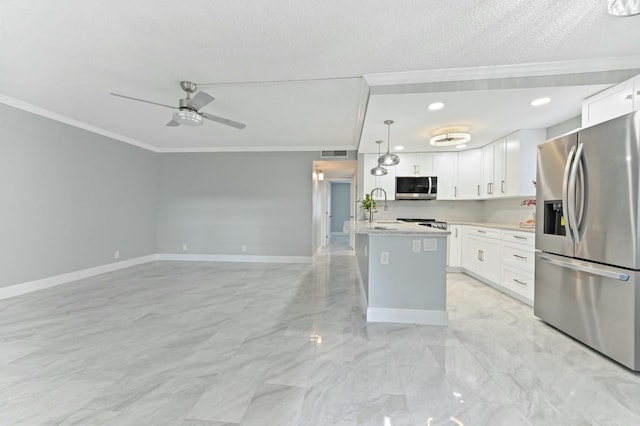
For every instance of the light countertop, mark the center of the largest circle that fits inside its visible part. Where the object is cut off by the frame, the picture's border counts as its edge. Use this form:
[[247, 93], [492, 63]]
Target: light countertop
[[507, 226], [392, 227]]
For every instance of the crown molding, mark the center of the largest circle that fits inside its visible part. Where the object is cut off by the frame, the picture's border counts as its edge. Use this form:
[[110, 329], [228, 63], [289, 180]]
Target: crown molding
[[24, 106]]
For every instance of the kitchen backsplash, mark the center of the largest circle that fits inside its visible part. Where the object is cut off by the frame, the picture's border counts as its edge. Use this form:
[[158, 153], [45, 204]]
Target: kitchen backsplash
[[507, 211]]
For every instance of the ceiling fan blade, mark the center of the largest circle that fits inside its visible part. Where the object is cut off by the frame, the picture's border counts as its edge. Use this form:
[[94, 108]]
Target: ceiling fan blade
[[223, 120], [200, 99], [142, 100], [173, 123]]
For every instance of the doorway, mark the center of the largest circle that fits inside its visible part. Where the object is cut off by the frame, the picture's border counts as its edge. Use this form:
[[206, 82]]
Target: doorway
[[339, 217], [328, 215]]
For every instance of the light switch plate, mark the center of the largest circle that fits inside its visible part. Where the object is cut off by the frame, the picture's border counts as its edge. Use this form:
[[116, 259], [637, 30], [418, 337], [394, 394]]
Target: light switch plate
[[430, 244], [417, 246]]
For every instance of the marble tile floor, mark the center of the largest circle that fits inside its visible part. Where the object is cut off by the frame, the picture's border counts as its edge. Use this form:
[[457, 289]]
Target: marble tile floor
[[196, 343]]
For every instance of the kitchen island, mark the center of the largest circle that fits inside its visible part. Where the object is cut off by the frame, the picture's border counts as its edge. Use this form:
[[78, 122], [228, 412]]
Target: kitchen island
[[403, 272]]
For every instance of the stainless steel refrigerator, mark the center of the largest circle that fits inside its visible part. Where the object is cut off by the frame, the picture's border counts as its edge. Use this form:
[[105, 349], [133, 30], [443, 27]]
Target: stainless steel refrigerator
[[587, 237]]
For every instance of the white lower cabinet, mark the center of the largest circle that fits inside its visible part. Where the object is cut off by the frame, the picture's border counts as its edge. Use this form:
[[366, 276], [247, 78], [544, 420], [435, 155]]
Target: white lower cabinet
[[481, 252], [518, 263], [502, 258], [454, 257]]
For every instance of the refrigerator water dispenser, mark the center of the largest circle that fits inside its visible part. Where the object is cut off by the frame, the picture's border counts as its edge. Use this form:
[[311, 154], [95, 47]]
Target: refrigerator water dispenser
[[553, 218]]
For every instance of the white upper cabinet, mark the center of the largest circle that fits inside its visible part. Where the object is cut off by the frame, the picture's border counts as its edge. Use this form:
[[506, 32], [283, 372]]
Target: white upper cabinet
[[520, 154], [488, 165], [618, 100], [509, 165], [469, 175], [386, 182], [445, 167], [415, 164]]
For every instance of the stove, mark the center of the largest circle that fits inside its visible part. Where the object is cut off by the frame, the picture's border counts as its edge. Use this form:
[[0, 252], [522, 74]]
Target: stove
[[432, 223]]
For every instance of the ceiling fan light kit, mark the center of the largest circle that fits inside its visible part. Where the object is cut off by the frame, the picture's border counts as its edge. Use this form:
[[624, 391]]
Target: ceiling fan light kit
[[450, 139], [188, 118], [388, 159]]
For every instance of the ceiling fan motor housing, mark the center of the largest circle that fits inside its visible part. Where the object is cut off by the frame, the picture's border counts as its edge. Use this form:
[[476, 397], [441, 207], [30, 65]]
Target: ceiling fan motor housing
[[184, 104]]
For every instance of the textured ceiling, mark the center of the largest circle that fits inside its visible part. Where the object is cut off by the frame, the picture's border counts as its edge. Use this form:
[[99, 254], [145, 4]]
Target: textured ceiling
[[65, 57]]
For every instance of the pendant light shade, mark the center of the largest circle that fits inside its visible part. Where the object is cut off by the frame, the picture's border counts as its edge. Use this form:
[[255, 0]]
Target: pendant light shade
[[388, 159], [379, 170]]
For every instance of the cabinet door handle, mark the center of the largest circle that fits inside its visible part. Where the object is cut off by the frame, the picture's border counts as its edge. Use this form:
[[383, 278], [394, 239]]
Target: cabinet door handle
[[478, 190], [628, 97], [638, 92], [502, 186], [481, 232], [519, 282], [519, 237], [455, 191], [456, 232], [488, 188], [520, 257]]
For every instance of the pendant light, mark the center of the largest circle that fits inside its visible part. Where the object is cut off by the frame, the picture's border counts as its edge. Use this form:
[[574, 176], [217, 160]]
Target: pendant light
[[388, 159], [379, 170]]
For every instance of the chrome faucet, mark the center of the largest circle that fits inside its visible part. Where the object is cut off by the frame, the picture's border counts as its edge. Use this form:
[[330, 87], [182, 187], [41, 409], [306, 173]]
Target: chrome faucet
[[385, 202]]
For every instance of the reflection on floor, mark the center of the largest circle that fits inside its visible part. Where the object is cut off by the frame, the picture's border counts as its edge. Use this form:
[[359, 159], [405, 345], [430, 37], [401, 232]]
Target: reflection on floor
[[195, 343]]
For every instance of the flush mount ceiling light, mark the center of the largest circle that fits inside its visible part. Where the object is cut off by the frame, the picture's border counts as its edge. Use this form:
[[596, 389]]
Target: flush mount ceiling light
[[623, 7], [388, 159], [188, 118], [540, 101], [450, 138], [398, 148], [436, 106], [379, 170]]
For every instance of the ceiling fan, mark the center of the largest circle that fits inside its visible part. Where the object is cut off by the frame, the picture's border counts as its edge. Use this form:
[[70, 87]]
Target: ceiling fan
[[188, 108]]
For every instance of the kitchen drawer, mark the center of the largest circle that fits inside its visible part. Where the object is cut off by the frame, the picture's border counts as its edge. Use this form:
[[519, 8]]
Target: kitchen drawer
[[482, 232], [518, 255], [527, 238], [518, 281]]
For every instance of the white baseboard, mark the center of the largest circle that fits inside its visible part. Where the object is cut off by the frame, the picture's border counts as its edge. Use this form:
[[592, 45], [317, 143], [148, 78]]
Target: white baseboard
[[234, 258], [29, 286], [407, 316]]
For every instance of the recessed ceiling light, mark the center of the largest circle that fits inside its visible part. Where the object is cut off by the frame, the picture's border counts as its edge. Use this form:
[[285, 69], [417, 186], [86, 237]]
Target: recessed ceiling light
[[398, 148], [462, 145], [541, 101], [436, 106]]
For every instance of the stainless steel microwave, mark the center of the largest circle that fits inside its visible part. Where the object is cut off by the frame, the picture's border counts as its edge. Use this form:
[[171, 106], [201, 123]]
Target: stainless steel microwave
[[416, 187]]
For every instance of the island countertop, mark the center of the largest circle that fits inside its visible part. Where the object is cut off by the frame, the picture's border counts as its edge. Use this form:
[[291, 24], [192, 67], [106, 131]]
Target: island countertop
[[392, 227]]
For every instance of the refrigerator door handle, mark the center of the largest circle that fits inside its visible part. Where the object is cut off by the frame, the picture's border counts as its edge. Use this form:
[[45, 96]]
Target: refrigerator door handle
[[585, 268], [565, 192], [572, 199]]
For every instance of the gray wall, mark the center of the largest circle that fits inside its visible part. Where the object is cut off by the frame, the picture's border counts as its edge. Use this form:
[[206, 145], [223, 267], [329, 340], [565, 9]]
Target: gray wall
[[217, 202], [69, 198], [340, 205], [564, 127]]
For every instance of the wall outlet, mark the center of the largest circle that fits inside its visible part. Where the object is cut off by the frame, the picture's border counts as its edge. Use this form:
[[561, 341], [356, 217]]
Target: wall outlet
[[184, 247], [244, 248], [417, 246], [384, 258], [116, 254], [430, 244]]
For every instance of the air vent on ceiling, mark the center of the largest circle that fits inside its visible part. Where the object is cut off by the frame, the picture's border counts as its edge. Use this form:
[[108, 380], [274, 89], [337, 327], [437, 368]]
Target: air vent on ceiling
[[333, 154]]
